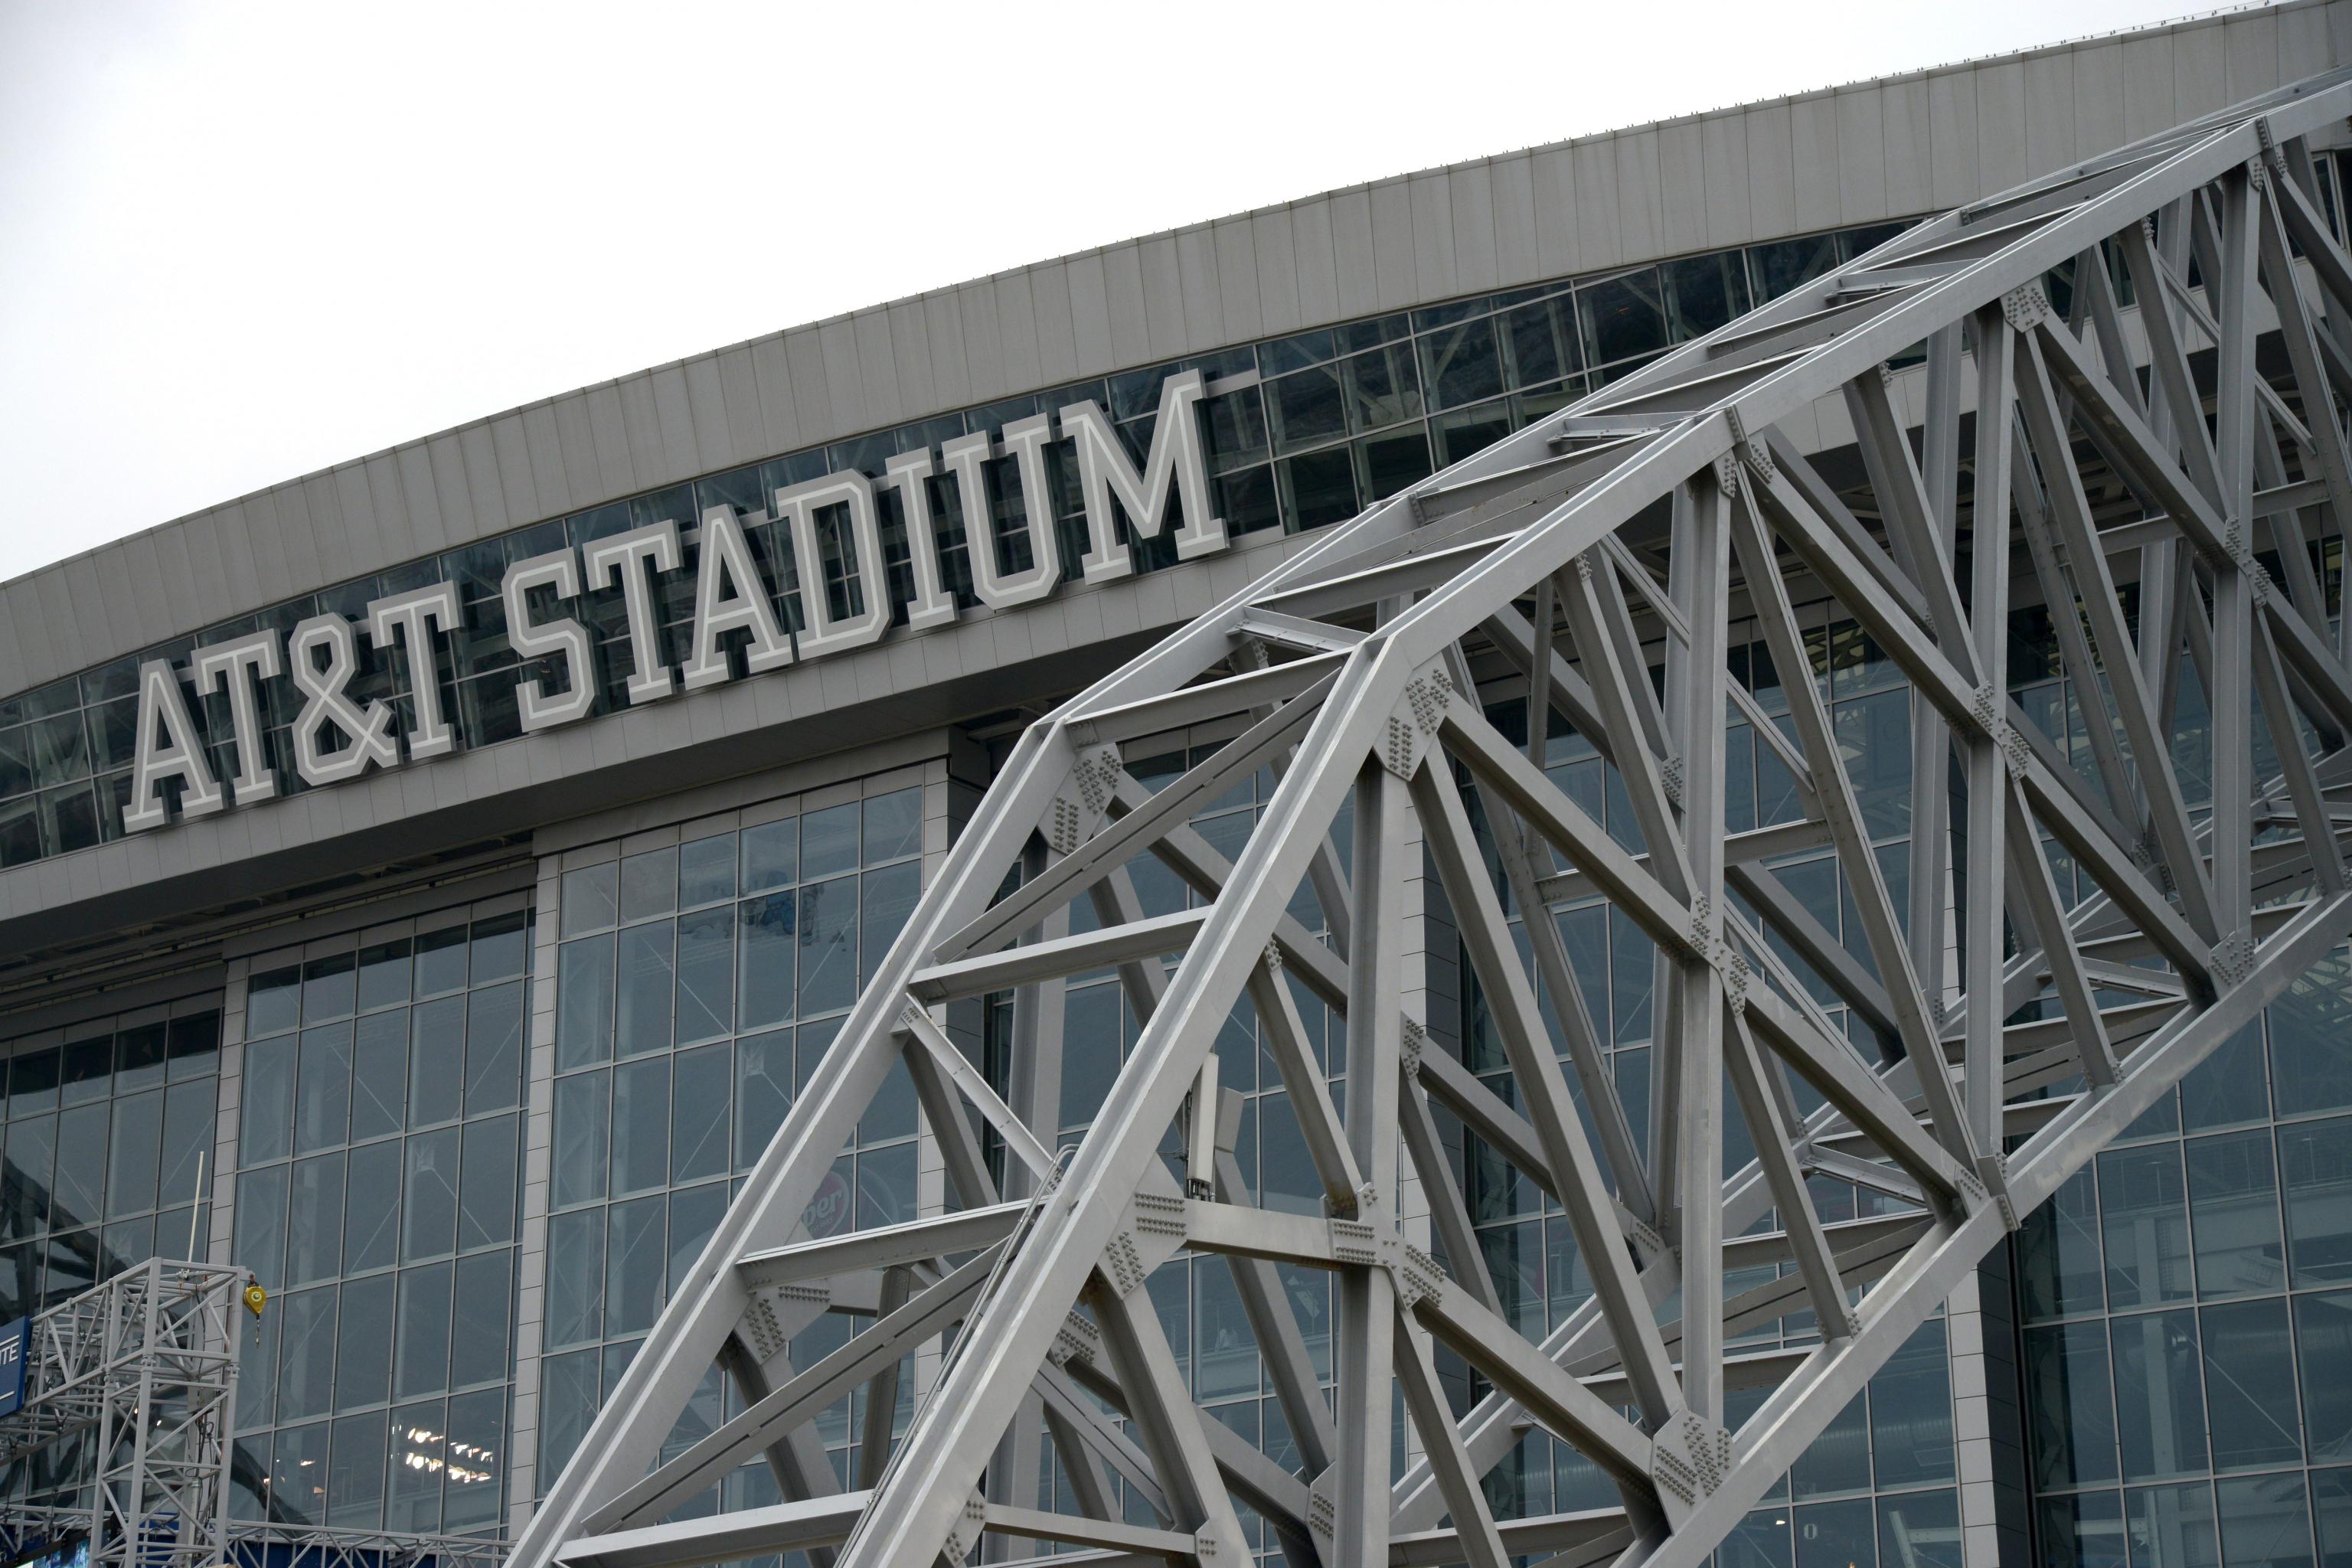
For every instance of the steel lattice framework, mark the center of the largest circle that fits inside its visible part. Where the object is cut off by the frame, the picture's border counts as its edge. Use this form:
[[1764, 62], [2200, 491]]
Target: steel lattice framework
[[1665, 503], [139, 1368]]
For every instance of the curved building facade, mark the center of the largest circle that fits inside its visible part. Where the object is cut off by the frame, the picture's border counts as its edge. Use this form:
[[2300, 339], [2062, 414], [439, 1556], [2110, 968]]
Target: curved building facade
[[429, 883]]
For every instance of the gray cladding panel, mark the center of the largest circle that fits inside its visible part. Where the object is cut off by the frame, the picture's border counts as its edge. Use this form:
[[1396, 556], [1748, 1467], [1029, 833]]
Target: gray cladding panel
[[1905, 145]]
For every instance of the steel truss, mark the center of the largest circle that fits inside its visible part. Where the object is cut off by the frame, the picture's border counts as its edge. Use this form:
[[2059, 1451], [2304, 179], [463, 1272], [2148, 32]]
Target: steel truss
[[1651, 511], [139, 1370]]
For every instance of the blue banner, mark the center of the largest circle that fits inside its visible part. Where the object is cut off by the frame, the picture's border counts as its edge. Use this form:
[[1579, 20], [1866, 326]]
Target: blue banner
[[14, 1342]]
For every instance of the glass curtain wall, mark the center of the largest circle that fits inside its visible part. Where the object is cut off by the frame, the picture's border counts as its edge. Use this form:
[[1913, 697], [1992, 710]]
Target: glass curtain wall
[[698, 984], [1313, 428], [2186, 1302], [108, 1125], [377, 1196]]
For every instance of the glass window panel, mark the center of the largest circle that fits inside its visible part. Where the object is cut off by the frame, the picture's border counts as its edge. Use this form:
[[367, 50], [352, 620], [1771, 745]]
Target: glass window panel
[[2144, 1223], [31, 1153], [306, 1355], [1542, 340], [648, 884], [634, 1260], [1839, 1459], [763, 1091], [371, 1228], [2171, 1527], [380, 1075], [1379, 387], [583, 1112], [706, 870], [2069, 1406], [356, 1482], [138, 1058], [894, 826], [323, 1088], [2160, 1413], [706, 974], [1224, 1351], [2315, 1161], [694, 1215], [494, 1049], [1760, 1539], [2331, 1504], [441, 962], [1461, 363], [1624, 317], [314, 1246], [1703, 292], [768, 928], [886, 1187], [2263, 1522], [273, 1005], [261, 1223], [267, 1112], [2233, 1202], [1317, 487], [2323, 1342], [436, 1070], [698, 1114], [1780, 266], [88, 1070], [78, 1193], [133, 1163], [584, 1002], [646, 978], [2083, 1531], [1836, 1535], [471, 1485], [1920, 1530], [886, 903], [828, 935], [330, 987], [2310, 1038], [365, 1339], [501, 947], [1911, 1411], [297, 1475], [1465, 431], [2249, 1385], [482, 1314], [567, 1404], [415, 1503], [590, 899], [430, 1196], [194, 1047], [1305, 408], [486, 1214], [1386, 464], [576, 1277], [188, 1125], [2229, 1087], [771, 854], [641, 1125], [422, 1365], [384, 974], [829, 841]]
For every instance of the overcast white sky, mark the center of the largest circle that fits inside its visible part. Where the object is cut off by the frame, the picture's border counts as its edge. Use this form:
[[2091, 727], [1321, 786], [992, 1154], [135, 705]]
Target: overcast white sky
[[240, 242]]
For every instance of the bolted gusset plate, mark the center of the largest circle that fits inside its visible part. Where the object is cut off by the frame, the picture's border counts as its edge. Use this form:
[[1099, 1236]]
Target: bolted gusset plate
[[1643, 519]]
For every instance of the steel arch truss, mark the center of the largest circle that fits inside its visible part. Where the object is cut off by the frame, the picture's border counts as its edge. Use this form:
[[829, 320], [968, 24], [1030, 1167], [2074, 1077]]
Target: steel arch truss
[[2171, 468]]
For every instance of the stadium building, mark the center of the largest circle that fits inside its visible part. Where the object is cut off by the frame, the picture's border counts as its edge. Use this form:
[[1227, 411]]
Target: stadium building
[[428, 885]]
